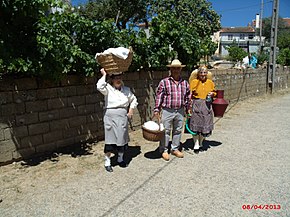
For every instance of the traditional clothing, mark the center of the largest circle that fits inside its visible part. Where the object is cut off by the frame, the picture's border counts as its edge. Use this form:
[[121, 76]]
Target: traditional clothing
[[116, 126], [201, 121], [202, 115], [172, 97], [117, 102], [201, 88], [115, 98]]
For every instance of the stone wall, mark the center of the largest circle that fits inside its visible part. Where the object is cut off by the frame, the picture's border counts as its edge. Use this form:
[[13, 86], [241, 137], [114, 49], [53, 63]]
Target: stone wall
[[240, 84], [39, 116]]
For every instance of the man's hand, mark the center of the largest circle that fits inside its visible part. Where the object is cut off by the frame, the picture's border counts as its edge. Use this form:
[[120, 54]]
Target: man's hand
[[157, 115]]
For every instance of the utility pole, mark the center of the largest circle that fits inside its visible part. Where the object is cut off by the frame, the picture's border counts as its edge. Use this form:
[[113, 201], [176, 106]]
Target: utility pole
[[261, 22], [273, 47]]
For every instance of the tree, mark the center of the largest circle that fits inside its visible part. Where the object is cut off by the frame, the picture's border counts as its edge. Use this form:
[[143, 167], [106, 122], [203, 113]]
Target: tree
[[283, 40], [68, 43], [236, 53], [283, 30], [284, 57], [181, 29], [262, 57], [54, 44], [207, 48], [123, 13], [18, 43], [35, 42]]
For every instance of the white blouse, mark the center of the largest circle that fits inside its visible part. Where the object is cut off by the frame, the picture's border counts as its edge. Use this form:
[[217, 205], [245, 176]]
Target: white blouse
[[114, 98]]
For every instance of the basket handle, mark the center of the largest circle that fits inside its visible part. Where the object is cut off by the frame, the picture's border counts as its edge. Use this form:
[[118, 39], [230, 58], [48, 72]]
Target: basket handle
[[158, 119]]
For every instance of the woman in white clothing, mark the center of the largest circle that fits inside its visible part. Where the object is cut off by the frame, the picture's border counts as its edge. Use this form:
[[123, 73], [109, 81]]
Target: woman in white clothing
[[120, 103]]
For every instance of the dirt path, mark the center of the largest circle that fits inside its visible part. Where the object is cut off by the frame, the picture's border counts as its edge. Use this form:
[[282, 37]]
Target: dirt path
[[247, 162]]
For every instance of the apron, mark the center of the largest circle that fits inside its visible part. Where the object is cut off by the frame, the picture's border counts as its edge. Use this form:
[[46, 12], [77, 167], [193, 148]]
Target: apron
[[116, 126], [202, 117]]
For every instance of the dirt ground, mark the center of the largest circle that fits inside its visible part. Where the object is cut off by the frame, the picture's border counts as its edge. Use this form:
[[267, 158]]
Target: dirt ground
[[61, 167], [72, 165]]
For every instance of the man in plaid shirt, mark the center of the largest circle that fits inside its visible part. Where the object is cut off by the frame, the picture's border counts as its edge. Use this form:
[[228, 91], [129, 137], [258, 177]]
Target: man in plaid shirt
[[172, 98]]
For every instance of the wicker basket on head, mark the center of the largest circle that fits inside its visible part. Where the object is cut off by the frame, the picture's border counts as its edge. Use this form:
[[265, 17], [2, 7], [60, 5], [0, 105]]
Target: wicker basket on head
[[153, 135], [113, 64]]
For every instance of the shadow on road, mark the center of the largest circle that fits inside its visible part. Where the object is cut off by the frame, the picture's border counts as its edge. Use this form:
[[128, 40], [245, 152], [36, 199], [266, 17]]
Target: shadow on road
[[207, 144], [75, 150], [130, 153], [153, 154]]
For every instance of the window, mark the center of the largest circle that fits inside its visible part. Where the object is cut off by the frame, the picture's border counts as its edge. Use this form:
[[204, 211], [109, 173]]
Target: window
[[230, 37], [242, 36], [251, 36]]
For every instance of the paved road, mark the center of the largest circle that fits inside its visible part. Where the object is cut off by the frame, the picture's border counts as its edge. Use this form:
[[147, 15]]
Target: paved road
[[247, 162]]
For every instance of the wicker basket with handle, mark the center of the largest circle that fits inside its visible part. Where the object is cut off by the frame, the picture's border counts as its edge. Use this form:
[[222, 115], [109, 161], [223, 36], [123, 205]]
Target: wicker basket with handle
[[113, 64], [153, 135]]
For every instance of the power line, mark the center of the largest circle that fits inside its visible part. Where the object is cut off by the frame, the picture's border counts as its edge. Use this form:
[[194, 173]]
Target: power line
[[246, 7]]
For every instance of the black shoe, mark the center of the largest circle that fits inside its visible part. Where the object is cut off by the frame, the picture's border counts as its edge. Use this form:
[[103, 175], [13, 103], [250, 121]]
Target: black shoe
[[109, 168], [122, 164], [196, 151]]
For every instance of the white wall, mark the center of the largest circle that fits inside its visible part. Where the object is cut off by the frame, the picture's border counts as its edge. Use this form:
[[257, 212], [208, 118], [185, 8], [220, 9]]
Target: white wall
[[236, 36]]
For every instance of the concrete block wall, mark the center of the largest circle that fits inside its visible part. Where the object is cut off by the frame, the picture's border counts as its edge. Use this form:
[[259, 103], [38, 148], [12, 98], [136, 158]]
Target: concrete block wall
[[39, 116], [282, 78], [239, 84]]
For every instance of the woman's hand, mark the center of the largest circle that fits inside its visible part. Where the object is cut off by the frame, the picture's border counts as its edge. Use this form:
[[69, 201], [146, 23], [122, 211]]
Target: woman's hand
[[211, 94], [103, 71], [130, 113], [194, 93]]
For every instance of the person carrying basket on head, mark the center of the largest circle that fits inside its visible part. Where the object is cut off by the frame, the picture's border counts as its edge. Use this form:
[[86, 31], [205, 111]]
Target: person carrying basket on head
[[120, 103], [172, 97]]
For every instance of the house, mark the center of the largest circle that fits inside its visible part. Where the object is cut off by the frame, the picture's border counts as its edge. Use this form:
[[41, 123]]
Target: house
[[286, 21], [244, 37]]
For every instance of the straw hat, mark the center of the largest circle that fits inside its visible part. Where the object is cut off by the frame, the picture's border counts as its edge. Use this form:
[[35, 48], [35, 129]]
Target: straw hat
[[194, 73], [176, 63]]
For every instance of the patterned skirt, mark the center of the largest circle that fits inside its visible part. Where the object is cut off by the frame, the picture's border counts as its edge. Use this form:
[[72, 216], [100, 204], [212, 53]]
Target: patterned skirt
[[201, 121]]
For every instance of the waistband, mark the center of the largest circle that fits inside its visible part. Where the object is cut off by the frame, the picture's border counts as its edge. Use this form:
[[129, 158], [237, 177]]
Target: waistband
[[117, 108], [173, 109]]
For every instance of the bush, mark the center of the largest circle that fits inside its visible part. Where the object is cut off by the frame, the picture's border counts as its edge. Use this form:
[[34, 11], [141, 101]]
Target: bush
[[262, 57], [18, 43], [284, 57], [68, 42], [236, 53], [36, 42]]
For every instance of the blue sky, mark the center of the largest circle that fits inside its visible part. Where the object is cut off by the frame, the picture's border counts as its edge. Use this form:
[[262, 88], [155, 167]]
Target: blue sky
[[239, 12]]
